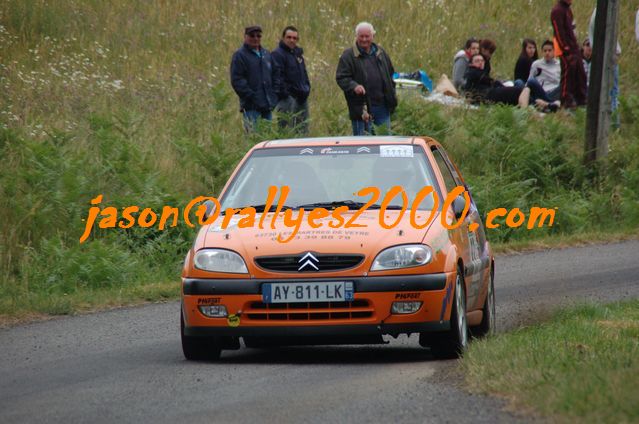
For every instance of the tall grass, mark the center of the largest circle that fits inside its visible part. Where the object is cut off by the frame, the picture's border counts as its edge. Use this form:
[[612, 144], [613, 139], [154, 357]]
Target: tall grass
[[576, 367], [132, 100]]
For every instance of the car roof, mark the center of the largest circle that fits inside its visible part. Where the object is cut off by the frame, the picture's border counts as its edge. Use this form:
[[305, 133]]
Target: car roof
[[348, 140]]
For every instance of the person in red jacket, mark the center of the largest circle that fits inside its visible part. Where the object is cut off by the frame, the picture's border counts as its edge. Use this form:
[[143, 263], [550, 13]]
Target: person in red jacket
[[573, 76]]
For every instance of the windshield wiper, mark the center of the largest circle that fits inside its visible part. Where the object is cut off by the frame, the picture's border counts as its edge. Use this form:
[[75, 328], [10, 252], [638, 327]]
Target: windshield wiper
[[260, 208], [334, 204], [350, 203]]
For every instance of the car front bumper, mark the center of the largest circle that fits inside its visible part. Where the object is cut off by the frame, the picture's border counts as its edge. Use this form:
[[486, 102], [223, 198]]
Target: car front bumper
[[368, 314]]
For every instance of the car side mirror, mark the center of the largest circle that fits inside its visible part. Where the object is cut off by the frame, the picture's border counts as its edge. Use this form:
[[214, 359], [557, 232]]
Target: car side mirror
[[459, 204], [210, 208]]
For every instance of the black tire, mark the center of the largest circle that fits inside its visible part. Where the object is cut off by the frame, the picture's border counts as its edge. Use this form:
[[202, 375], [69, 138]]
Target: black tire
[[488, 321], [198, 348], [451, 344]]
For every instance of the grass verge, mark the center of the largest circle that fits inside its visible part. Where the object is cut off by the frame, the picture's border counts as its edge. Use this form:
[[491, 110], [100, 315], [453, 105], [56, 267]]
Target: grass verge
[[565, 240], [581, 366], [38, 306]]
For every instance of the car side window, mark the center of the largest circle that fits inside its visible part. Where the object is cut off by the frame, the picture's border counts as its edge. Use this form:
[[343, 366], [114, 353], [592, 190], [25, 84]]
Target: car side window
[[452, 168], [449, 179]]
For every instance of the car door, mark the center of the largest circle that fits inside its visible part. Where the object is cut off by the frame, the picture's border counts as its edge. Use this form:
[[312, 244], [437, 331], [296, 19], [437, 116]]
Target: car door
[[472, 243]]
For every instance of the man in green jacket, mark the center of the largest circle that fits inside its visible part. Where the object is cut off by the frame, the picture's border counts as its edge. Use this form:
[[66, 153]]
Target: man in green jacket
[[365, 74]]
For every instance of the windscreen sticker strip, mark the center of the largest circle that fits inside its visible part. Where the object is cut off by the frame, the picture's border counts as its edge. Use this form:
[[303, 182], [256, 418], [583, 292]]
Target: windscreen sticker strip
[[399, 151]]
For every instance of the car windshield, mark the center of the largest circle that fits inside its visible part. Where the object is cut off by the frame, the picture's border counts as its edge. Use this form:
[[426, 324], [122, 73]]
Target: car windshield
[[321, 176]]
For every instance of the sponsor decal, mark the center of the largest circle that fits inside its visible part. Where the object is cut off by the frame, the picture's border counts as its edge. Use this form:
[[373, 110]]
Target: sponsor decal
[[208, 300], [474, 247], [331, 151], [446, 301], [233, 320], [407, 296]]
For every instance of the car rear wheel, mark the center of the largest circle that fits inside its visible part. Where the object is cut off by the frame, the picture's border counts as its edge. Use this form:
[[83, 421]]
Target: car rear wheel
[[198, 348], [488, 321], [452, 343]]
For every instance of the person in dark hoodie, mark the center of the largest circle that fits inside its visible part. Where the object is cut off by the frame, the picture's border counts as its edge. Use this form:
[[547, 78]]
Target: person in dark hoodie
[[481, 88], [252, 79], [292, 81], [487, 48]]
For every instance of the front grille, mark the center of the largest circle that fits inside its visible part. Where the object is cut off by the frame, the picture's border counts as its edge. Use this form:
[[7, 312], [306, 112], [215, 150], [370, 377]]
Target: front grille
[[303, 311], [292, 263]]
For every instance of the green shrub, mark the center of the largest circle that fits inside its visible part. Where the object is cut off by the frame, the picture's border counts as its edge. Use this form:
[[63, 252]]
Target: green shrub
[[56, 267]]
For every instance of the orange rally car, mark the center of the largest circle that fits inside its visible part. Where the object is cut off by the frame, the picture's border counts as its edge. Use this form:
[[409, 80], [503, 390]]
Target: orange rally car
[[323, 281]]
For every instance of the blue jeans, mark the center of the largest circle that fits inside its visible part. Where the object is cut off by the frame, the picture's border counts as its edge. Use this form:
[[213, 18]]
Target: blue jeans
[[614, 98], [250, 118], [538, 92], [381, 117]]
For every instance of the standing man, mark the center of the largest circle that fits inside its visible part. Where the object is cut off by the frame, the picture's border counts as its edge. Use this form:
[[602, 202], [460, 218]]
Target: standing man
[[365, 74], [292, 82], [573, 76], [252, 79]]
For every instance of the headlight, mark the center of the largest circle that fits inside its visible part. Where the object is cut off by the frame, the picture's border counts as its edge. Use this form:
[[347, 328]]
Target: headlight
[[220, 260], [402, 257]]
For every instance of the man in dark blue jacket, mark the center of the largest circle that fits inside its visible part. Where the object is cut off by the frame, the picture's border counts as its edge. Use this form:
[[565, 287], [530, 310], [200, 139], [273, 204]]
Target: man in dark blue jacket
[[252, 78], [292, 82]]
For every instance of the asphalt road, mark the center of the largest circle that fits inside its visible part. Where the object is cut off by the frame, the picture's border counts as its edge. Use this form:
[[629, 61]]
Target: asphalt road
[[127, 365]]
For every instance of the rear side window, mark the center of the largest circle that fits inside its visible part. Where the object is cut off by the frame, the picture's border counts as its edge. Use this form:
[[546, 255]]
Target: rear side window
[[449, 179]]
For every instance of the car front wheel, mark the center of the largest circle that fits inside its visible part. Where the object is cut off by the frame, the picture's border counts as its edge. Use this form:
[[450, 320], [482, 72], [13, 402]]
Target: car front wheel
[[198, 348], [452, 343]]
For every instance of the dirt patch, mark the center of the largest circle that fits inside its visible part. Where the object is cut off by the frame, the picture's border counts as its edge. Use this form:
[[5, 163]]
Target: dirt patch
[[619, 325]]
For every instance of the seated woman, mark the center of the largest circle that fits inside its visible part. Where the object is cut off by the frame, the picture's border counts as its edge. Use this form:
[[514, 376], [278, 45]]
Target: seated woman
[[481, 88], [526, 58], [460, 62]]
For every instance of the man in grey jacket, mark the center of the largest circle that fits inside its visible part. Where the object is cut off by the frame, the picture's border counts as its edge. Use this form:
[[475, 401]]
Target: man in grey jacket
[[365, 74]]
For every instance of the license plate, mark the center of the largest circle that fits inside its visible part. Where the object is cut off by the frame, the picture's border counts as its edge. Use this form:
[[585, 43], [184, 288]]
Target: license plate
[[329, 291]]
